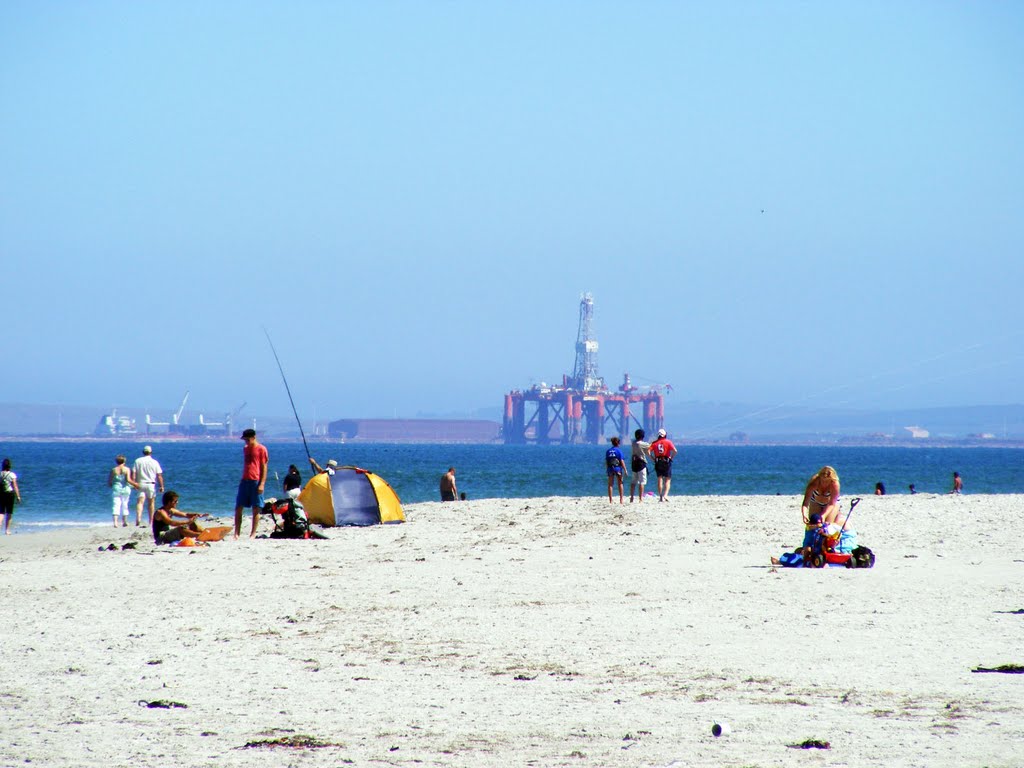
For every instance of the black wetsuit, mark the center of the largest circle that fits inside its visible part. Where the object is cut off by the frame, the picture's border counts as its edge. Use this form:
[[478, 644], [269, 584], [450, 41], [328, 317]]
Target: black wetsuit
[[160, 527]]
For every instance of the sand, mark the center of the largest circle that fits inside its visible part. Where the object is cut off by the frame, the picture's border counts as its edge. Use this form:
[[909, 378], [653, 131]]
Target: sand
[[540, 632]]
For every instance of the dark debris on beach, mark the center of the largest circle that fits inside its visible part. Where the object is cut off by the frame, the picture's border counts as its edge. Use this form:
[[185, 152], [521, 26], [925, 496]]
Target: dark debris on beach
[[298, 741], [1006, 669], [811, 744]]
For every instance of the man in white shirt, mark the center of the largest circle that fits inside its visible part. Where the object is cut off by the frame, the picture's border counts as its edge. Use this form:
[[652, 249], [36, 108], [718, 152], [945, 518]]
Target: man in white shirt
[[149, 475]]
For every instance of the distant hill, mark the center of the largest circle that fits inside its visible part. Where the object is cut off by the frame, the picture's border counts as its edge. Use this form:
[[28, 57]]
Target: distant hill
[[691, 420], [719, 420]]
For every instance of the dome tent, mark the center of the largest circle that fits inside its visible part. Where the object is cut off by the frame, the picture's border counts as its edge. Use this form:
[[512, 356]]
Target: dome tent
[[350, 496]]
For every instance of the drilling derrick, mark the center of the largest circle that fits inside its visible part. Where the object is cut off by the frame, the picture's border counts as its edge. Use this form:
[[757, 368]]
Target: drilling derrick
[[579, 410], [584, 373]]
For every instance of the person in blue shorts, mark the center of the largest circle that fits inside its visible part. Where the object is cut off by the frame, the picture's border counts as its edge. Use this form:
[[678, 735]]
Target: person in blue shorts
[[254, 479], [614, 463]]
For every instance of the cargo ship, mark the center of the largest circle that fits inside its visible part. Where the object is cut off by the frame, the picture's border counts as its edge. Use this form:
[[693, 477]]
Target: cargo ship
[[112, 425]]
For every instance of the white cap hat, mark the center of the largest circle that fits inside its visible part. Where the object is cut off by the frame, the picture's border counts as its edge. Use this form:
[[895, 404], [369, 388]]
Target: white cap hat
[[332, 464], [147, 449], [662, 433]]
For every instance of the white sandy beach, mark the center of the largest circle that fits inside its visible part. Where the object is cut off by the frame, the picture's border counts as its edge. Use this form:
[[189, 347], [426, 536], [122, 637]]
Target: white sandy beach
[[525, 632]]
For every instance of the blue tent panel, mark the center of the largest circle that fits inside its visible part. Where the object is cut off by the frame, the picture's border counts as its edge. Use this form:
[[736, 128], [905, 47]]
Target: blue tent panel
[[355, 502]]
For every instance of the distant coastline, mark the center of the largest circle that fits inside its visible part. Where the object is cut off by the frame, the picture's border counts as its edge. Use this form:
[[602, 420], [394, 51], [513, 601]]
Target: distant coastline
[[808, 441]]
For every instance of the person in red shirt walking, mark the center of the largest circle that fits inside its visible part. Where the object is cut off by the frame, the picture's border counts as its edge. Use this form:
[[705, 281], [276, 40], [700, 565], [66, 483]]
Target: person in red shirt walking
[[254, 479], [663, 451]]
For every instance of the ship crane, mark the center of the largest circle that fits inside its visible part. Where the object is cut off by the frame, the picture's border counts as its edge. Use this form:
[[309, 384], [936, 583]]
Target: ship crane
[[580, 410], [220, 426], [176, 418], [230, 419], [628, 386], [170, 426]]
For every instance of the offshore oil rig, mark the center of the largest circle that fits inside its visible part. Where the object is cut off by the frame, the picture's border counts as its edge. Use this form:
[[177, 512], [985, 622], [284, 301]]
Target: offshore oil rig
[[580, 409]]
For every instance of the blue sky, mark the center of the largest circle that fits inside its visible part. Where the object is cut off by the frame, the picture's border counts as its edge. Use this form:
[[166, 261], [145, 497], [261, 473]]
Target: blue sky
[[815, 203]]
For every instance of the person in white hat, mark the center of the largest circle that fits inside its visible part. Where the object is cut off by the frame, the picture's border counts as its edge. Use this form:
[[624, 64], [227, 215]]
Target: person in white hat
[[148, 475], [329, 469], [663, 451]]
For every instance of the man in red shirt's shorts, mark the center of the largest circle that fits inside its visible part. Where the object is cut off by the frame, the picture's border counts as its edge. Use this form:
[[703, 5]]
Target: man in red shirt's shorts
[[663, 451], [254, 479]]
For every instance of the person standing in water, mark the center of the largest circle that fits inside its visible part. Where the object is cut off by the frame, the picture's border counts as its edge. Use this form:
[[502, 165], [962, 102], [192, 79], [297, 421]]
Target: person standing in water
[[120, 481], [449, 492], [9, 493], [958, 483]]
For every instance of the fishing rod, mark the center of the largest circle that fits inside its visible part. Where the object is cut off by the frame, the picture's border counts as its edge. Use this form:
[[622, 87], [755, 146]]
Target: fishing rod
[[289, 391]]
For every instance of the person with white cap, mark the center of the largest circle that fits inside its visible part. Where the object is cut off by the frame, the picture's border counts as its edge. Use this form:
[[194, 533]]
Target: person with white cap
[[332, 465], [148, 474], [663, 451]]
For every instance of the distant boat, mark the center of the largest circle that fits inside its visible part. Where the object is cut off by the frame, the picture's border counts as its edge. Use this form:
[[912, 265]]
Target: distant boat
[[113, 425]]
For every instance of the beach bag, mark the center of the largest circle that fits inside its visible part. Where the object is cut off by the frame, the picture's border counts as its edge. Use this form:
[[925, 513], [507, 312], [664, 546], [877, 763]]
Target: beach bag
[[294, 524], [792, 560], [861, 557]]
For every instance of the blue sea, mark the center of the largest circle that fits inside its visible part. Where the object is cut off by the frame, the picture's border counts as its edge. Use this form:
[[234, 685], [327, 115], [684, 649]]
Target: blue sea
[[65, 483]]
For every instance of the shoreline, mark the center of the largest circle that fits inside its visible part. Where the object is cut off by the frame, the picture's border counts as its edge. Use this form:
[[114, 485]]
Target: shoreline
[[546, 631], [103, 522]]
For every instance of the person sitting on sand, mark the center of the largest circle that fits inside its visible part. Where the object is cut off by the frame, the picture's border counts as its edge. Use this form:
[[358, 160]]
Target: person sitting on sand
[[797, 558], [879, 489], [820, 537], [171, 525]]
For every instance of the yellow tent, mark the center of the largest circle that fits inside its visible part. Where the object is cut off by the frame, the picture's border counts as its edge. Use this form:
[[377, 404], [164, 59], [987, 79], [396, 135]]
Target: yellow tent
[[350, 496]]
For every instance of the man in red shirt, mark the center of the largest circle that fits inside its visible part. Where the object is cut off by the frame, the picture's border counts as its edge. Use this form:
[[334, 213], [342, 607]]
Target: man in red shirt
[[254, 479], [663, 451]]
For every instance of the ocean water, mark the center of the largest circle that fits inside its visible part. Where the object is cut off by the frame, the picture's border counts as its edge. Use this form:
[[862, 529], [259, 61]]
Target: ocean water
[[65, 483]]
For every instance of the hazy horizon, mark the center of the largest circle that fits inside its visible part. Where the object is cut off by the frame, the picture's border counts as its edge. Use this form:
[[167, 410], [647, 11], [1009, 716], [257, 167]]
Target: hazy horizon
[[684, 420], [790, 204]]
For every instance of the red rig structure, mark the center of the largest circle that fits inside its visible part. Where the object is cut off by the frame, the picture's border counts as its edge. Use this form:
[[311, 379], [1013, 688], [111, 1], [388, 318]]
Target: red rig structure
[[581, 408]]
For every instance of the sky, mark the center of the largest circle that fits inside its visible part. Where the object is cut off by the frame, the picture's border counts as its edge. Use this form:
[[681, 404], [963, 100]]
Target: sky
[[788, 202]]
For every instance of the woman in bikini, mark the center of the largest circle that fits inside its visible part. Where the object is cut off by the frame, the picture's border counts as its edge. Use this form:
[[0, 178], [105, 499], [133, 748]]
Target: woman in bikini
[[822, 496], [821, 499]]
